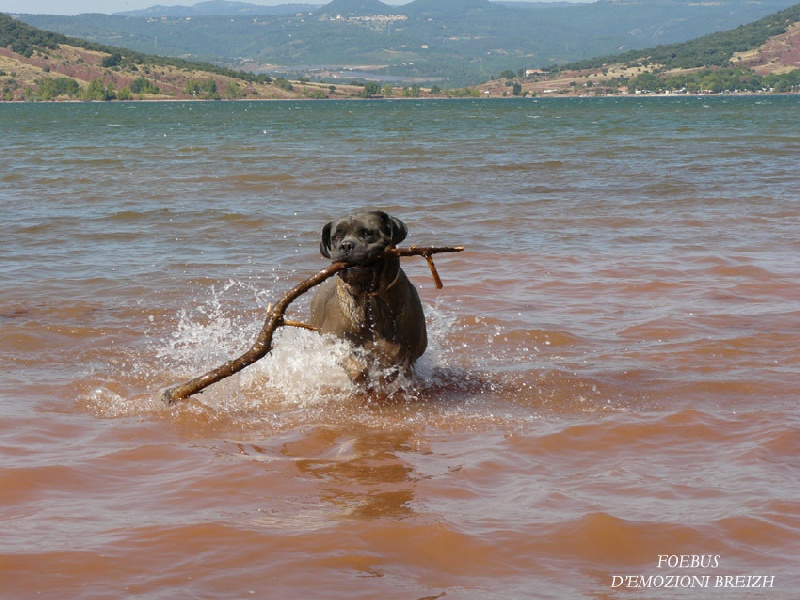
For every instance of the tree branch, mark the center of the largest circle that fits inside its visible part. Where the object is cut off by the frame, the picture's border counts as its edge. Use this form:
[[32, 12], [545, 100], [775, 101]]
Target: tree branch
[[426, 252], [275, 319]]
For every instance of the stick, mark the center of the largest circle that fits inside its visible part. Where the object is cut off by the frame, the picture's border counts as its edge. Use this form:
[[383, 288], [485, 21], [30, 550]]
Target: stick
[[262, 345], [275, 319], [426, 252]]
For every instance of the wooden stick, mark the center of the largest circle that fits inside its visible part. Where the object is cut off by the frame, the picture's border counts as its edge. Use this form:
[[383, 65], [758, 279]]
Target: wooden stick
[[299, 324], [417, 251], [275, 319], [262, 345], [426, 252]]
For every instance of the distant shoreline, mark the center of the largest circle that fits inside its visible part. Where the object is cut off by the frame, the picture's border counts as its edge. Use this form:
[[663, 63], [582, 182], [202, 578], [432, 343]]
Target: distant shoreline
[[421, 98]]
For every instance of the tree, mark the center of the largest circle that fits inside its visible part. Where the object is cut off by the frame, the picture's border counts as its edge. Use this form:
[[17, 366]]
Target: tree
[[412, 92], [646, 82], [371, 88], [51, 88], [210, 88], [113, 60], [142, 85], [97, 90], [207, 90], [284, 84], [233, 90]]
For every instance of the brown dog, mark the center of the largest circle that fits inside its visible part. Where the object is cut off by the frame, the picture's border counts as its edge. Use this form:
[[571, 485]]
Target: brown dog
[[371, 304]]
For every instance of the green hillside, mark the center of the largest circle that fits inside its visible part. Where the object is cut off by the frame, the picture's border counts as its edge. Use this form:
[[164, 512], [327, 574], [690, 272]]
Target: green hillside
[[37, 65], [715, 49], [456, 42], [760, 57], [25, 39]]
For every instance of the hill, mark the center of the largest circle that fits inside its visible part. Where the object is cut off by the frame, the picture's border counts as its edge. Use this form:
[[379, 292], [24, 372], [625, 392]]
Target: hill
[[40, 65], [716, 49], [220, 8], [352, 8], [451, 42], [447, 9], [760, 57], [757, 57]]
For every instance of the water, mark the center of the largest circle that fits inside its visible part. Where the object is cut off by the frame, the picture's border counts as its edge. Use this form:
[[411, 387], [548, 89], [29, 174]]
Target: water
[[612, 374]]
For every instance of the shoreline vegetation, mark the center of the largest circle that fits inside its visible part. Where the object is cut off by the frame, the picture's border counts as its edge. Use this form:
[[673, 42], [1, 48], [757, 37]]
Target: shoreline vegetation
[[40, 66]]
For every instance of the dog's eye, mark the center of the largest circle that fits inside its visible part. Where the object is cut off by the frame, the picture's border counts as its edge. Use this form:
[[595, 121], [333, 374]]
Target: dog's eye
[[367, 233]]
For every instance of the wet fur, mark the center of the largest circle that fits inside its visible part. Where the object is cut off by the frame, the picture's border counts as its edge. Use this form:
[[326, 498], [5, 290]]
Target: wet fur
[[371, 304]]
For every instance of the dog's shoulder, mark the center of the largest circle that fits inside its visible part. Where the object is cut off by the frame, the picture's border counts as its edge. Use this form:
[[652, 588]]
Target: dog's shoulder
[[334, 310]]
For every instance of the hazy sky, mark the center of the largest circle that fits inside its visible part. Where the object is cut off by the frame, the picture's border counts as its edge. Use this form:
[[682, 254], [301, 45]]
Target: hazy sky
[[76, 7]]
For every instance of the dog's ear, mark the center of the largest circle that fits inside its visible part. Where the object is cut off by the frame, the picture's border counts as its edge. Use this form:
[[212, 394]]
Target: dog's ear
[[395, 229], [325, 240]]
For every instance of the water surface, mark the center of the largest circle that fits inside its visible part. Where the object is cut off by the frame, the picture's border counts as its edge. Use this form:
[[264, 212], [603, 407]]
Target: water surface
[[612, 374]]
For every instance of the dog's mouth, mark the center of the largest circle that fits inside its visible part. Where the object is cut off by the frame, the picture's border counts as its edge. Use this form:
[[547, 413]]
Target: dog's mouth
[[357, 274]]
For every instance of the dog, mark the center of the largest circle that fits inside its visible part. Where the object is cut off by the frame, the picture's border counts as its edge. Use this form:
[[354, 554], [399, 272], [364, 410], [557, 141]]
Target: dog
[[371, 303]]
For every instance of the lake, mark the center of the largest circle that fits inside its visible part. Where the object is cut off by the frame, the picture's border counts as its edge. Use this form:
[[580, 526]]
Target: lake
[[608, 406]]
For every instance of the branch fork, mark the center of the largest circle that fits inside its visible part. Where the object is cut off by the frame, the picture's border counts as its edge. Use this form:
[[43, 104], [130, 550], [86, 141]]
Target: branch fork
[[275, 318]]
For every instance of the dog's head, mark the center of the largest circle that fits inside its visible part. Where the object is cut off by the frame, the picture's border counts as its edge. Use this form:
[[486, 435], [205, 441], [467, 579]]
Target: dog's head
[[360, 239]]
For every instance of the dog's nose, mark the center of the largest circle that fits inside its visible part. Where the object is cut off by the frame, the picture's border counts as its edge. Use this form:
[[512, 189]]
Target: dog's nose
[[347, 246]]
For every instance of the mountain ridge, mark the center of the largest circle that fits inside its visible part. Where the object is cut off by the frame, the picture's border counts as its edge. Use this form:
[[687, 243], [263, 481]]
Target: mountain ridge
[[429, 40], [350, 8], [37, 65], [220, 8], [763, 56]]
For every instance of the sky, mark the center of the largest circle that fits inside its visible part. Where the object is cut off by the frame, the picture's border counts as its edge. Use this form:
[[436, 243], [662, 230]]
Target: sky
[[76, 7]]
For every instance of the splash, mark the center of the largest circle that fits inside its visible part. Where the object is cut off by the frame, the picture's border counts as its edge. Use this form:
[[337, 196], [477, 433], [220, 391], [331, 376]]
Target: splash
[[475, 369], [303, 371]]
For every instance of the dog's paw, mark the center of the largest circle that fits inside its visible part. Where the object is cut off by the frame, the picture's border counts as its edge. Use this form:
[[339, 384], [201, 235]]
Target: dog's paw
[[356, 369]]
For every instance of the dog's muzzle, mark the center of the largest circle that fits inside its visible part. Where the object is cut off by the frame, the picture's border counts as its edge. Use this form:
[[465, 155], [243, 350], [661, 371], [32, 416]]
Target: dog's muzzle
[[361, 275]]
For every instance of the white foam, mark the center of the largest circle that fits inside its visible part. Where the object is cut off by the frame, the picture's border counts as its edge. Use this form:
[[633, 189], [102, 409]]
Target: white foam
[[303, 367], [302, 378], [302, 370]]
